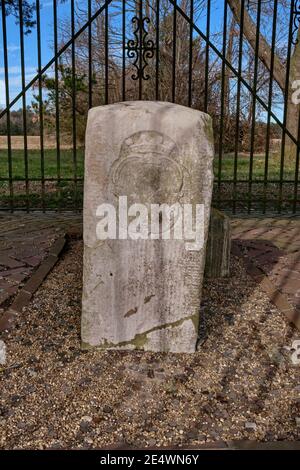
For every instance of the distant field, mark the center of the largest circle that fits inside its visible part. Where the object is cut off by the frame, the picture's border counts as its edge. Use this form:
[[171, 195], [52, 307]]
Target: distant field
[[33, 142]]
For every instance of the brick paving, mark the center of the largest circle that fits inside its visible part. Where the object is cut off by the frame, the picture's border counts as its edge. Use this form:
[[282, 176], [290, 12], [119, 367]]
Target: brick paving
[[25, 241], [271, 244]]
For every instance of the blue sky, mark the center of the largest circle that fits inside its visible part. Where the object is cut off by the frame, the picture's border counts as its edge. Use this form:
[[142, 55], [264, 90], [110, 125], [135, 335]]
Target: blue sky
[[30, 46]]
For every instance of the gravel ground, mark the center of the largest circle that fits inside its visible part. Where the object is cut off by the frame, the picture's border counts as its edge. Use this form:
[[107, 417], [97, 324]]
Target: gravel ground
[[241, 384]]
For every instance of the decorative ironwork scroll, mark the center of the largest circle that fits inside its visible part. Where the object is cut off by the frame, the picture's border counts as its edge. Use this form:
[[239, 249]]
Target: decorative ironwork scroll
[[141, 48], [295, 39]]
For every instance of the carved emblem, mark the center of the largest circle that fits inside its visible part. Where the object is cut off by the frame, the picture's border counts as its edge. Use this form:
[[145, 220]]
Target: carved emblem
[[147, 170]]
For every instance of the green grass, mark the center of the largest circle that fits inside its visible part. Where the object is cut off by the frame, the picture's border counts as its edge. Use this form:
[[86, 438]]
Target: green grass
[[34, 164], [243, 167], [65, 193], [67, 165], [272, 197]]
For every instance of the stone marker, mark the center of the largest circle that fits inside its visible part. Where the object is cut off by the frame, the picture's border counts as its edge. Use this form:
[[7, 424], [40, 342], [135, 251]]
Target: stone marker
[[142, 290], [218, 248]]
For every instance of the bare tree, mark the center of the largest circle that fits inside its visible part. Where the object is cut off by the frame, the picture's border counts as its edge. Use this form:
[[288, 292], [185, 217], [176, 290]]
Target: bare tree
[[280, 67]]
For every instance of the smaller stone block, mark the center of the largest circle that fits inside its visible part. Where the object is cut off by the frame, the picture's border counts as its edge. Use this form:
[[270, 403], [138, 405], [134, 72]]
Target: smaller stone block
[[217, 263]]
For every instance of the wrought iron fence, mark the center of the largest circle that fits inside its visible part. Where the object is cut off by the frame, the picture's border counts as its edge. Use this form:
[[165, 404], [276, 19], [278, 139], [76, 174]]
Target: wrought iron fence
[[238, 60]]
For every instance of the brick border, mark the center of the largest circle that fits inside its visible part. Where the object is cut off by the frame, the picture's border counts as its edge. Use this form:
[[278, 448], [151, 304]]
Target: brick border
[[261, 278], [24, 296]]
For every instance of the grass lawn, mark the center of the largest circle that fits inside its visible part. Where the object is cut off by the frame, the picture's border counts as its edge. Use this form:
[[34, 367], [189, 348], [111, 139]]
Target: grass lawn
[[56, 195], [258, 167], [67, 165], [34, 163], [64, 195]]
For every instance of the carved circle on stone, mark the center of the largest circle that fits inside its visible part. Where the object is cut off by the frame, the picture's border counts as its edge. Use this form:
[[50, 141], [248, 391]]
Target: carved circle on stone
[[146, 170]]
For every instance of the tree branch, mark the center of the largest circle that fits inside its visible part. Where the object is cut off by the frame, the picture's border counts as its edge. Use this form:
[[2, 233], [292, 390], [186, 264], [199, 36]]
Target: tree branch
[[265, 51]]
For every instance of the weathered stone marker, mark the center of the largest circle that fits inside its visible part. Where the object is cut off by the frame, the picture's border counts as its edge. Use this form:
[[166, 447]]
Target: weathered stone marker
[[217, 260], [142, 290]]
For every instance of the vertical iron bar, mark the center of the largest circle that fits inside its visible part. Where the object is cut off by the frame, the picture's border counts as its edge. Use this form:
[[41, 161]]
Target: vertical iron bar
[[140, 49], [174, 52], [74, 102], [297, 169], [90, 54], [222, 102], [24, 103], [255, 78], [106, 53], [286, 98], [124, 50], [41, 116], [57, 120], [266, 172], [157, 50], [9, 154], [207, 55], [238, 106], [191, 52]]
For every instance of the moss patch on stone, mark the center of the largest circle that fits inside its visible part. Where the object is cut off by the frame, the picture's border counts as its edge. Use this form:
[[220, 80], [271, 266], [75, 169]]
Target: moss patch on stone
[[140, 339]]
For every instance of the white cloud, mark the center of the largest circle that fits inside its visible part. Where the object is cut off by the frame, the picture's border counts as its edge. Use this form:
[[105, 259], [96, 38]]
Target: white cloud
[[13, 47], [15, 86], [2, 93], [16, 70], [16, 81], [47, 4]]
